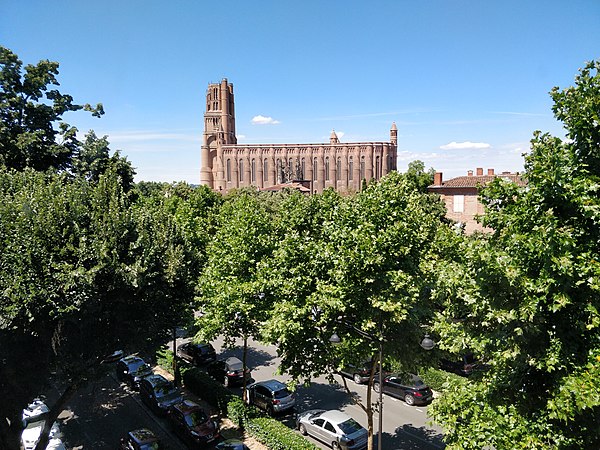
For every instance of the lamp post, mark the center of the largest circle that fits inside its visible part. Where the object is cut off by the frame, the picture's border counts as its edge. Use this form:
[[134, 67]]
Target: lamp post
[[427, 344]]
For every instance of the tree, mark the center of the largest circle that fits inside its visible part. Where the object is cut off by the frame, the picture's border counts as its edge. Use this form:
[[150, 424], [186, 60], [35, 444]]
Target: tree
[[32, 133], [83, 272], [232, 301], [364, 279], [530, 296]]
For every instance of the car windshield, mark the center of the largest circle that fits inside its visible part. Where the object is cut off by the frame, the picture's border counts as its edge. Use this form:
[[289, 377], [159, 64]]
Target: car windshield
[[416, 381], [350, 426], [282, 393], [136, 365], [195, 418], [164, 389], [235, 366], [150, 446]]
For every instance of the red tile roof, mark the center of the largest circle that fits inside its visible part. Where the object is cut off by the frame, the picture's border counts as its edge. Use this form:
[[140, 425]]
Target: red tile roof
[[474, 181]]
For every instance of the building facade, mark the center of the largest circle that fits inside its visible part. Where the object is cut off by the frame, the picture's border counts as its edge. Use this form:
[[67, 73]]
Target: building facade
[[227, 165], [461, 196]]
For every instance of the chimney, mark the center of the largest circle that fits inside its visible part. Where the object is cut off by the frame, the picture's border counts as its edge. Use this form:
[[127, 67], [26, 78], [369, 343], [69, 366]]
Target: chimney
[[479, 171], [470, 173], [491, 172], [437, 179]]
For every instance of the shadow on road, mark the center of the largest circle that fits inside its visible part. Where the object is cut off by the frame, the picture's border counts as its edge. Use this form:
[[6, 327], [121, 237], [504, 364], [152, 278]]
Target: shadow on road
[[408, 437]]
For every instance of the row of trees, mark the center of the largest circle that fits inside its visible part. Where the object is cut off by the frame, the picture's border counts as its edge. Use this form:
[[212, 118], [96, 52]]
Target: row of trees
[[91, 262]]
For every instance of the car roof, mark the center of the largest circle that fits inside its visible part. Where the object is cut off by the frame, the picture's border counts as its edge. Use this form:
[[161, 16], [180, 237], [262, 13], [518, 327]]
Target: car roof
[[187, 406], [143, 435], [233, 360], [155, 379], [335, 416], [131, 358], [274, 385]]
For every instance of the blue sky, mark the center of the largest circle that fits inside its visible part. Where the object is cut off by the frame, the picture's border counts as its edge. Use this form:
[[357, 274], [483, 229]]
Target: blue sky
[[466, 82]]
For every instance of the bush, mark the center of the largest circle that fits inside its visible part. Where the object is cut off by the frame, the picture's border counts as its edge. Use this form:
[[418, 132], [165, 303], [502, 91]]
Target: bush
[[436, 379], [201, 384], [276, 435]]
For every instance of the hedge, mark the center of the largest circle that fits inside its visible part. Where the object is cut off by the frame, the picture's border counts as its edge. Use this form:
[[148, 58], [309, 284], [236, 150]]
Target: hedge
[[270, 432], [437, 379]]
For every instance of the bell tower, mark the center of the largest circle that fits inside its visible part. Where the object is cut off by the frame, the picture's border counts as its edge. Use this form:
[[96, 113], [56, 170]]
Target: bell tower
[[219, 129]]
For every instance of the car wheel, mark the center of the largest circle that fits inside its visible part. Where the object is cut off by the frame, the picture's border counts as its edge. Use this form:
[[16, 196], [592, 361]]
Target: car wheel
[[409, 399], [335, 445], [357, 378], [302, 430], [376, 387]]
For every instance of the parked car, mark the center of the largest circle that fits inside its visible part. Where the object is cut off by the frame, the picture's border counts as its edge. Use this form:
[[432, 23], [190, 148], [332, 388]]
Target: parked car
[[463, 367], [132, 369], [113, 357], [333, 428], [34, 418], [159, 393], [197, 354], [192, 424], [358, 372], [229, 371], [272, 396], [231, 444], [407, 387], [142, 439]]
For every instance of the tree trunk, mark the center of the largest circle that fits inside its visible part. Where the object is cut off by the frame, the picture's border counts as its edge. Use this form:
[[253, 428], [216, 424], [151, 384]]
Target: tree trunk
[[54, 413], [244, 393]]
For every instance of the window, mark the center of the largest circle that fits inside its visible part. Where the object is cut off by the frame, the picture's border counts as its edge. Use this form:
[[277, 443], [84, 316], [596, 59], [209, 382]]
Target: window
[[338, 169], [302, 169], [228, 169], [327, 168], [362, 167], [253, 171], [377, 167], [241, 170], [459, 203], [350, 168], [314, 169], [265, 170], [278, 175], [329, 427]]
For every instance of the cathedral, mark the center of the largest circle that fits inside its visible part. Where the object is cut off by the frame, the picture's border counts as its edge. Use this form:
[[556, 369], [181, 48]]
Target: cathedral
[[226, 165]]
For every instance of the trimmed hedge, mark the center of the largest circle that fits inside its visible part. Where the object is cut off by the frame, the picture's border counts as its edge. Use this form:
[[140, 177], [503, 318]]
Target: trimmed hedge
[[270, 432], [436, 379]]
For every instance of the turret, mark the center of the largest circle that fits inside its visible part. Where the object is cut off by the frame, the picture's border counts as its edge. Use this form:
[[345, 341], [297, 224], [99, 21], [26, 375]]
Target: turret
[[394, 134]]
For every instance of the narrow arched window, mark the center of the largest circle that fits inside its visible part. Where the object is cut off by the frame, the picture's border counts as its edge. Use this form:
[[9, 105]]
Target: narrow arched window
[[253, 171], [228, 170], [362, 167], [350, 168], [265, 170], [314, 169], [278, 175], [327, 168], [302, 169], [338, 169], [377, 167], [241, 170]]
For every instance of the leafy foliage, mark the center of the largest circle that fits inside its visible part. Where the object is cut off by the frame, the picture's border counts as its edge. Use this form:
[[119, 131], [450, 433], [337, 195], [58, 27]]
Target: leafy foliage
[[530, 296]]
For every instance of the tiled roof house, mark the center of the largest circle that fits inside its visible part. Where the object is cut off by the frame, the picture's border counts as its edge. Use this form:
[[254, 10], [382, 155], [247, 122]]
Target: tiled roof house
[[460, 195]]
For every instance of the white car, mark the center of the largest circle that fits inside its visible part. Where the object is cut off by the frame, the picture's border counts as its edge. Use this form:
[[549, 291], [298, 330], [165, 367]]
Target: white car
[[333, 428], [34, 418]]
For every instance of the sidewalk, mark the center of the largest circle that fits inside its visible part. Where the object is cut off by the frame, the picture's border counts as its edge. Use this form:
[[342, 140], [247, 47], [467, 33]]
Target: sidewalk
[[226, 427]]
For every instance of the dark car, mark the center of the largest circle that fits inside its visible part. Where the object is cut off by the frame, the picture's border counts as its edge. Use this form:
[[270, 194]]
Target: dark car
[[272, 396], [159, 393], [132, 369], [192, 424], [407, 387], [142, 439], [197, 354], [231, 444], [358, 372], [463, 367], [229, 371]]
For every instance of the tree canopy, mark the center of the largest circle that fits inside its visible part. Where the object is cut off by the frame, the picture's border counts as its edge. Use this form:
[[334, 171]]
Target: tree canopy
[[527, 299]]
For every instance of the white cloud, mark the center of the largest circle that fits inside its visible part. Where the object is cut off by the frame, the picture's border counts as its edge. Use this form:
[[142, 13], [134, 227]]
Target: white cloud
[[262, 120], [465, 145]]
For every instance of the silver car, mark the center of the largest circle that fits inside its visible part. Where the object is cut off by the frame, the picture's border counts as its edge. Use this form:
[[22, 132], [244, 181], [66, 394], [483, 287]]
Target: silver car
[[334, 428]]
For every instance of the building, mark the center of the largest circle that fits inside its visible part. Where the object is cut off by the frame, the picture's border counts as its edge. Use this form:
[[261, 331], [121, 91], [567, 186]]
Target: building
[[227, 165], [461, 195]]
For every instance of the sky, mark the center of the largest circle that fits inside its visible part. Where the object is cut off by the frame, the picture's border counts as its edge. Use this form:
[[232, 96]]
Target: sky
[[465, 81]]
